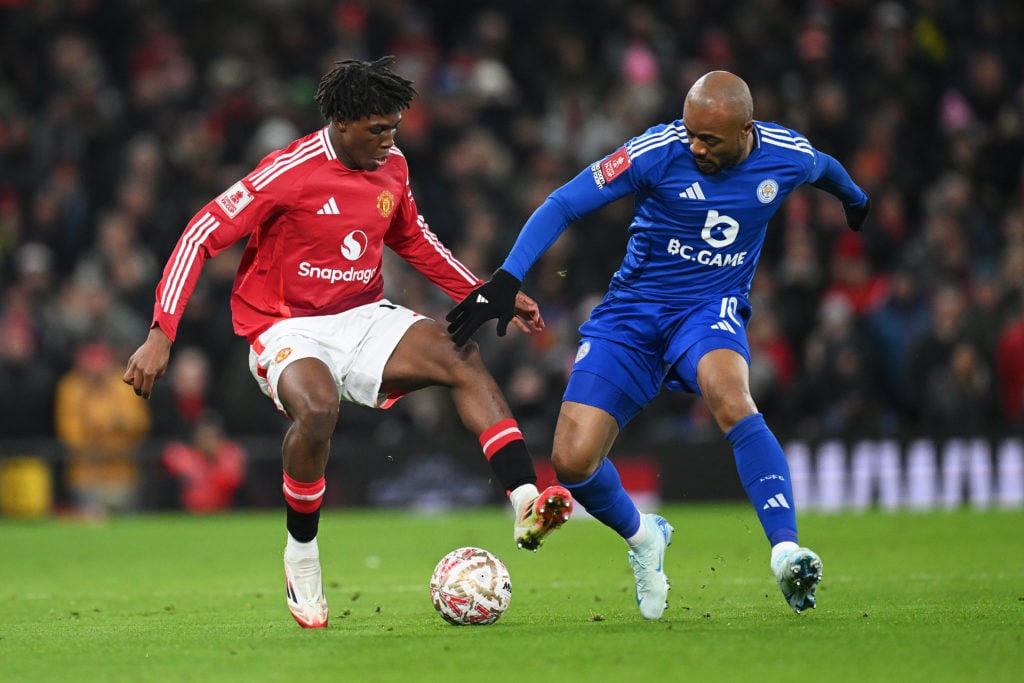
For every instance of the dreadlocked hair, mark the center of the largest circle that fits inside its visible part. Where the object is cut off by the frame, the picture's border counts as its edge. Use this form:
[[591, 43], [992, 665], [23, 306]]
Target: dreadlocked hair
[[354, 89]]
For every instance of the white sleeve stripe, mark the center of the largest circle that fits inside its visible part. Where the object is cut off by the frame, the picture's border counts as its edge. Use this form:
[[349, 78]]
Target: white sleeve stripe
[[278, 170], [647, 143], [301, 153], [444, 252], [787, 141], [303, 496], [284, 158], [785, 137], [501, 435], [186, 243], [183, 260], [798, 148], [325, 140]]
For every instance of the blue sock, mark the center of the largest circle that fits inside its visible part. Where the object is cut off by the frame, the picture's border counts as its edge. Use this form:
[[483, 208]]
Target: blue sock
[[604, 497], [764, 472]]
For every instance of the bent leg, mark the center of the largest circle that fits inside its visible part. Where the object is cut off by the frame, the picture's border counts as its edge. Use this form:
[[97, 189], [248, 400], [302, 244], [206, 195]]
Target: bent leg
[[723, 377], [583, 437], [426, 356]]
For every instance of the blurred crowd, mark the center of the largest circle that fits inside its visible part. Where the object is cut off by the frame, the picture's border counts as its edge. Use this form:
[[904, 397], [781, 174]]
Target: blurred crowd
[[119, 119]]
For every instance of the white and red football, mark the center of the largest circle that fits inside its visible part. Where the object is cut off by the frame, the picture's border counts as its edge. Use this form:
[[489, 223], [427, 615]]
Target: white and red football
[[470, 587]]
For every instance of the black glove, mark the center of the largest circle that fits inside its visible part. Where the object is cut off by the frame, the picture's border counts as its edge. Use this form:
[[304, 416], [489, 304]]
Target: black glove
[[495, 298], [856, 215]]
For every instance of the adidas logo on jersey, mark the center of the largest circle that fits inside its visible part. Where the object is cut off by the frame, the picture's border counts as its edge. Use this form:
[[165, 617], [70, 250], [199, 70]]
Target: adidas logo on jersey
[[693, 192], [776, 501], [330, 208], [724, 326]]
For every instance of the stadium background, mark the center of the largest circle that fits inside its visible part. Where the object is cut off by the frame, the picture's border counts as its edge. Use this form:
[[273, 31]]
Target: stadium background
[[891, 363]]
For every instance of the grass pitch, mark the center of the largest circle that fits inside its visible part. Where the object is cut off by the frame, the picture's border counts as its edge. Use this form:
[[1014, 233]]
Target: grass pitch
[[906, 597]]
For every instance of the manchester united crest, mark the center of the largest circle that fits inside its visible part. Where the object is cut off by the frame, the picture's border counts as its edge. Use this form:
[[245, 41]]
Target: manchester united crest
[[385, 203]]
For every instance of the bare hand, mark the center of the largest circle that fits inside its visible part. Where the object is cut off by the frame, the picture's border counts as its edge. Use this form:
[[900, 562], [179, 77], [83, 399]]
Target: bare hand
[[528, 318], [148, 363]]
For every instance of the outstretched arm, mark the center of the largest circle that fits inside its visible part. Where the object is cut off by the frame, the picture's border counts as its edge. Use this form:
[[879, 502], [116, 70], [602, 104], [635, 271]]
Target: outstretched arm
[[829, 175], [496, 298]]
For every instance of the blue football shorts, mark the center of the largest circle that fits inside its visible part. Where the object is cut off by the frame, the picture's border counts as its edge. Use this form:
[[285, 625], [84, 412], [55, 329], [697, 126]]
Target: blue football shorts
[[628, 350]]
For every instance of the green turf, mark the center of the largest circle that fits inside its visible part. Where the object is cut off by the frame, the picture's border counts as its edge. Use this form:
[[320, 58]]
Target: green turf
[[906, 597]]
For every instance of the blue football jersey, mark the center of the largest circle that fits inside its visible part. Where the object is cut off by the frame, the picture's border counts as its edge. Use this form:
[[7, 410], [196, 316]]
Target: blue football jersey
[[693, 236]]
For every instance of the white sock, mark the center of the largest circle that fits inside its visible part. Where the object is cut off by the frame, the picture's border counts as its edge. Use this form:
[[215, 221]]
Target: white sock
[[640, 536], [296, 550], [780, 548], [522, 495]]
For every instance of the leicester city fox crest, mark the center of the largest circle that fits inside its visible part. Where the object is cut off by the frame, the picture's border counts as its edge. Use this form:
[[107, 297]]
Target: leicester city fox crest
[[767, 191]]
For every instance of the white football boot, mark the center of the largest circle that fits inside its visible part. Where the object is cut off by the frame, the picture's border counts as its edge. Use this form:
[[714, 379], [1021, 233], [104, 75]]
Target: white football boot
[[647, 560], [798, 571], [305, 590]]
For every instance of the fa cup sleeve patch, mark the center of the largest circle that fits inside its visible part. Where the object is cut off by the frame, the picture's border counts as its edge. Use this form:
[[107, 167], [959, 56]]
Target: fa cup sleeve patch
[[611, 168], [234, 199]]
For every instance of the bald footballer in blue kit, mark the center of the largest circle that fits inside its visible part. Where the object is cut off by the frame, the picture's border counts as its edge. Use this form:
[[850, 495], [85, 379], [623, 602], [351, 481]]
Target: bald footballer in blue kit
[[675, 314]]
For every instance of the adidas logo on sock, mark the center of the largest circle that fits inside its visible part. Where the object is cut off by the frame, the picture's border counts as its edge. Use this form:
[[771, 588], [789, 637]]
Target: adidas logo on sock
[[330, 208], [776, 501], [693, 192]]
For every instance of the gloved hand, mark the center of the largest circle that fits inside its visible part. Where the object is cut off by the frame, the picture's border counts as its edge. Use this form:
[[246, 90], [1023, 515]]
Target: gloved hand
[[495, 298], [856, 215]]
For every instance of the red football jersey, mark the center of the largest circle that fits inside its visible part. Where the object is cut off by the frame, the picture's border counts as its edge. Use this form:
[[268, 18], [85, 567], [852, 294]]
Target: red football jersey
[[317, 231]]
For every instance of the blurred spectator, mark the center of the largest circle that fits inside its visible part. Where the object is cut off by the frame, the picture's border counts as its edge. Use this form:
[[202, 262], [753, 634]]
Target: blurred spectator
[[772, 363], [1010, 370], [959, 395], [88, 308], [931, 352], [100, 423], [210, 467], [892, 329], [853, 276], [118, 259], [835, 393], [26, 383], [180, 403]]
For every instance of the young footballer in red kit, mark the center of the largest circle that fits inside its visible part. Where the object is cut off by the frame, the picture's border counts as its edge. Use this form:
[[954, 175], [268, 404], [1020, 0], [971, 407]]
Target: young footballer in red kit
[[308, 297]]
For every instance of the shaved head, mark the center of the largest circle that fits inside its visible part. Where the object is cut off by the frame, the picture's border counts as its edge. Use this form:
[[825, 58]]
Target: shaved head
[[723, 92], [719, 117]]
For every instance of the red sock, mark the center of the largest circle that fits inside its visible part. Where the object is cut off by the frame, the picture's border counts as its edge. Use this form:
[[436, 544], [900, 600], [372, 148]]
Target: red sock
[[499, 435], [303, 497], [505, 450]]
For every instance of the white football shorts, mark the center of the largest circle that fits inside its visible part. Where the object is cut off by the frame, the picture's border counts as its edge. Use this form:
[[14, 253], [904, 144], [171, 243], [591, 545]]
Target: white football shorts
[[354, 344]]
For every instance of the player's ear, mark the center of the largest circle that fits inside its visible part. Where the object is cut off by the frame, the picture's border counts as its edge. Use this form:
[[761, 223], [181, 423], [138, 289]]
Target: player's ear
[[747, 128]]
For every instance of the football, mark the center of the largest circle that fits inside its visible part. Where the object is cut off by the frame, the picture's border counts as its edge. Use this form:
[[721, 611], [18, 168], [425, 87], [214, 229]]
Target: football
[[470, 587]]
